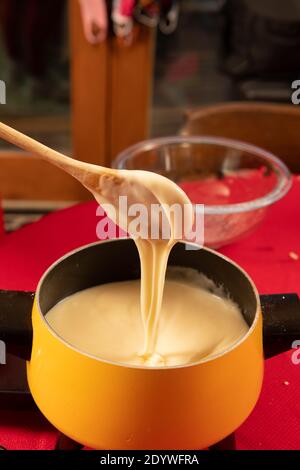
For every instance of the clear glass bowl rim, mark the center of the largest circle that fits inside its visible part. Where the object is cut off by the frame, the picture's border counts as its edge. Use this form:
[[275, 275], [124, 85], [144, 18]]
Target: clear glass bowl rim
[[283, 174]]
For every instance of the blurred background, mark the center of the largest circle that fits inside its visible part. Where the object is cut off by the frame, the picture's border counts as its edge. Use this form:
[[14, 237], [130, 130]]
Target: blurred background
[[94, 100]]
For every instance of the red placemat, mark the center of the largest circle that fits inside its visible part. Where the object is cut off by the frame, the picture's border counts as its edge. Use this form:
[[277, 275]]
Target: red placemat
[[265, 255], [1, 220]]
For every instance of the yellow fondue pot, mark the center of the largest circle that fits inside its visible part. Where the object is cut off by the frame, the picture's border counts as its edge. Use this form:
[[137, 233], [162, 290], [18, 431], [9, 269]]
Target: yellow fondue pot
[[106, 405]]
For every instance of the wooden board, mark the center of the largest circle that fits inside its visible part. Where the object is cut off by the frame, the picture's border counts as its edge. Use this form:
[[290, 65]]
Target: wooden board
[[274, 127]]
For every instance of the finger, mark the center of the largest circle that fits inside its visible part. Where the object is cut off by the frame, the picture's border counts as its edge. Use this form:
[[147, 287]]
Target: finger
[[89, 35], [99, 32]]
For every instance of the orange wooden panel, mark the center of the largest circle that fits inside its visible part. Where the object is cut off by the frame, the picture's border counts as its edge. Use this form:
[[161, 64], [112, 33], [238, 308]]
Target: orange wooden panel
[[89, 93], [131, 71]]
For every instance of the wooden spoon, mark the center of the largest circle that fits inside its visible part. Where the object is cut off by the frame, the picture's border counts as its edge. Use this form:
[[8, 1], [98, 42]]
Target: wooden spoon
[[68, 164], [106, 184]]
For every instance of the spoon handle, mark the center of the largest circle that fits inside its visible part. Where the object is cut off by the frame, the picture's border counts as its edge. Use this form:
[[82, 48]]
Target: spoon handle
[[30, 145], [70, 165]]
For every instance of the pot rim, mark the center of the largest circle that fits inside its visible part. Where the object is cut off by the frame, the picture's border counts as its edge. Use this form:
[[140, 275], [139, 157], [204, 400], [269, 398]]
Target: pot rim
[[211, 358]]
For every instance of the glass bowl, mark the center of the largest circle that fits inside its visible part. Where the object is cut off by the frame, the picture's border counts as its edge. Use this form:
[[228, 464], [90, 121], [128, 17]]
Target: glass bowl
[[235, 181]]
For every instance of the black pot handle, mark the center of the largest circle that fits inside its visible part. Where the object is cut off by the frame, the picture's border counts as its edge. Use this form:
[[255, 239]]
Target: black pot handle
[[281, 315], [15, 322]]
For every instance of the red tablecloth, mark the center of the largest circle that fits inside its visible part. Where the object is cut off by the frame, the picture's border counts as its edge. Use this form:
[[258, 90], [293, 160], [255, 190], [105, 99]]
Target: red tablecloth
[[1, 220], [275, 422]]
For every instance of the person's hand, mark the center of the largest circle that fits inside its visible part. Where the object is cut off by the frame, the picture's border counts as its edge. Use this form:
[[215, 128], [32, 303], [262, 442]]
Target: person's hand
[[95, 21]]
